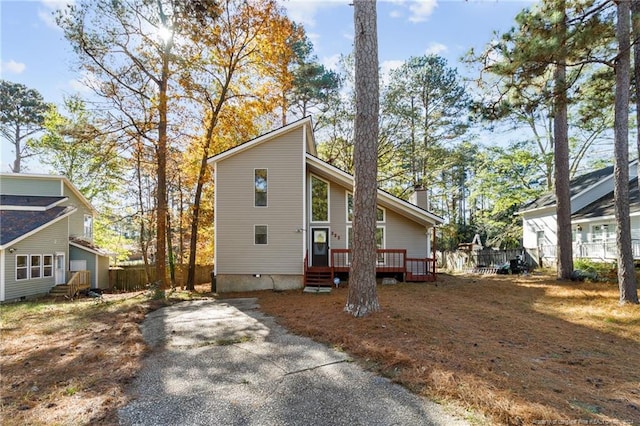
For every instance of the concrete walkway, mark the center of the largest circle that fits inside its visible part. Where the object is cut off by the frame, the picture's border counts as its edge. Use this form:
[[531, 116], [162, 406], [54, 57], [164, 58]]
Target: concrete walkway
[[226, 363]]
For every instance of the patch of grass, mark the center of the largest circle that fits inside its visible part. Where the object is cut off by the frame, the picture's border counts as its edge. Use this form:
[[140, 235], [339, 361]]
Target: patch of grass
[[511, 349], [68, 362]]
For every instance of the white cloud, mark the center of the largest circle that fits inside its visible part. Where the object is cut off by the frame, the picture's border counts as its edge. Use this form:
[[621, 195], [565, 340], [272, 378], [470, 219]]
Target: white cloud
[[304, 11], [12, 67], [331, 62], [436, 49], [386, 67], [421, 10]]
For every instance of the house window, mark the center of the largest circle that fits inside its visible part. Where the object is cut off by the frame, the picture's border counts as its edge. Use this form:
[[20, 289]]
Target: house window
[[602, 233], [540, 239], [380, 212], [36, 266], [319, 200], [88, 226], [47, 265], [260, 234], [22, 271], [260, 182]]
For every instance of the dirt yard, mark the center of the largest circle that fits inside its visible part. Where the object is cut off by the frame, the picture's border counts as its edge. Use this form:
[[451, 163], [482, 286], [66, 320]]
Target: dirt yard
[[513, 350]]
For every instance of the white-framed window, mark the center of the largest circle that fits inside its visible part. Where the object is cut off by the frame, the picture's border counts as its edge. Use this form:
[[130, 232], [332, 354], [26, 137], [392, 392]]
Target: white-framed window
[[88, 226], [319, 190], [380, 240], [260, 234], [47, 265], [260, 187], [22, 267], [540, 239], [381, 213], [602, 233], [35, 266]]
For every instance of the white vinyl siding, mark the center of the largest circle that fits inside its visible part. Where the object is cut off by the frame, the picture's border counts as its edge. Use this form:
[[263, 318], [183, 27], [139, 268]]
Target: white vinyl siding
[[236, 251]]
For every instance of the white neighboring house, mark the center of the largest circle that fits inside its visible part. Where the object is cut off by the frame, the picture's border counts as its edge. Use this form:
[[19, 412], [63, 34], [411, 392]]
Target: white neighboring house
[[593, 222]]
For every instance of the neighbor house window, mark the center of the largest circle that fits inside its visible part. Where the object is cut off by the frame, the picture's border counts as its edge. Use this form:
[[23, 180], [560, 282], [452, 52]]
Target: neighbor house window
[[319, 200], [601, 233], [260, 234], [88, 226], [22, 265], [380, 212], [47, 265], [260, 176], [540, 238], [36, 266]]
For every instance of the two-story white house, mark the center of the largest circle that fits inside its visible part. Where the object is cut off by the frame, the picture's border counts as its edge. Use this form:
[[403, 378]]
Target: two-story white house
[[46, 235]]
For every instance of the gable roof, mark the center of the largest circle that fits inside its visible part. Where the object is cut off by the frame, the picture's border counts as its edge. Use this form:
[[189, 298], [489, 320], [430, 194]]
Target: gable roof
[[309, 139], [605, 206], [61, 178], [385, 199], [29, 202], [577, 186], [18, 225]]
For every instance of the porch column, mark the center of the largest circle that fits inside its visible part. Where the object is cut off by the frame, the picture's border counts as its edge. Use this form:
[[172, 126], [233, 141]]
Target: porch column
[[428, 243]]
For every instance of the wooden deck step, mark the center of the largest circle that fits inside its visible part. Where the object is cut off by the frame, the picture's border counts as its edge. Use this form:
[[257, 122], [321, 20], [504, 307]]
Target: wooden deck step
[[318, 277], [59, 290]]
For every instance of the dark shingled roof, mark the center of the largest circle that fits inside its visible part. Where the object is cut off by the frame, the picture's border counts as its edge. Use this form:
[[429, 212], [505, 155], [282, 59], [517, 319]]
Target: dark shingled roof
[[14, 223], [86, 244], [605, 206], [577, 185], [28, 200]]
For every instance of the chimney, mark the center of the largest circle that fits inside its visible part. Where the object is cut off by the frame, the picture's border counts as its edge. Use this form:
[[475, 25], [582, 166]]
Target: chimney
[[419, 197]]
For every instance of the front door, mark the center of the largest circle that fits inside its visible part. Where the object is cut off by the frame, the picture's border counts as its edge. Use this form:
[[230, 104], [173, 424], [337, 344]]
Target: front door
[[60, 269], [320, 247]]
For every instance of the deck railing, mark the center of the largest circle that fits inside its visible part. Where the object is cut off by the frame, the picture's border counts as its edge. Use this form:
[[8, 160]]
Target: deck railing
[[603, 251], [391, 261], [80, 280]]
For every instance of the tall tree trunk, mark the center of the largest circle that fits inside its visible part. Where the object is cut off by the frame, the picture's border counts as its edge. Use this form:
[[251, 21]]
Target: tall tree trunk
[[16, 162], [635, 36], [627, 281], [363, 298], [161, 153], [561, 153], [144, 246]]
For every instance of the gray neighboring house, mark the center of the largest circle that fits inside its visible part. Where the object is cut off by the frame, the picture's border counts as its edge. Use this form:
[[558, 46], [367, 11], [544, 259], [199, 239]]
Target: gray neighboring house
[[46, 234], [283, 218], [593, 222]]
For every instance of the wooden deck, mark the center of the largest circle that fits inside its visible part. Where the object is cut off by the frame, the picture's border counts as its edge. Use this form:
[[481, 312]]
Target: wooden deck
[[390, 261]]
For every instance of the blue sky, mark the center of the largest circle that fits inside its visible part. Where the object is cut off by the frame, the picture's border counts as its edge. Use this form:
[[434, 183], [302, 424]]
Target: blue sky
[[33, 50]]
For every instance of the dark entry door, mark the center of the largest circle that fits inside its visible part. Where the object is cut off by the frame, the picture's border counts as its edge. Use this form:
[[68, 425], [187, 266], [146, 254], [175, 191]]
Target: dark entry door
[[320, 247]]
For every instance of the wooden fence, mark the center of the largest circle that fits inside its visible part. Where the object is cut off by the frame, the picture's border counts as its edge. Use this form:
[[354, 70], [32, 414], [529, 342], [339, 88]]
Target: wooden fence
[[133, 278]]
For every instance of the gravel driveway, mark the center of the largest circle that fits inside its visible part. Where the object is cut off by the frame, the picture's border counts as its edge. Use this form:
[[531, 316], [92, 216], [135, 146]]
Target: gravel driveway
[[226, 363]]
